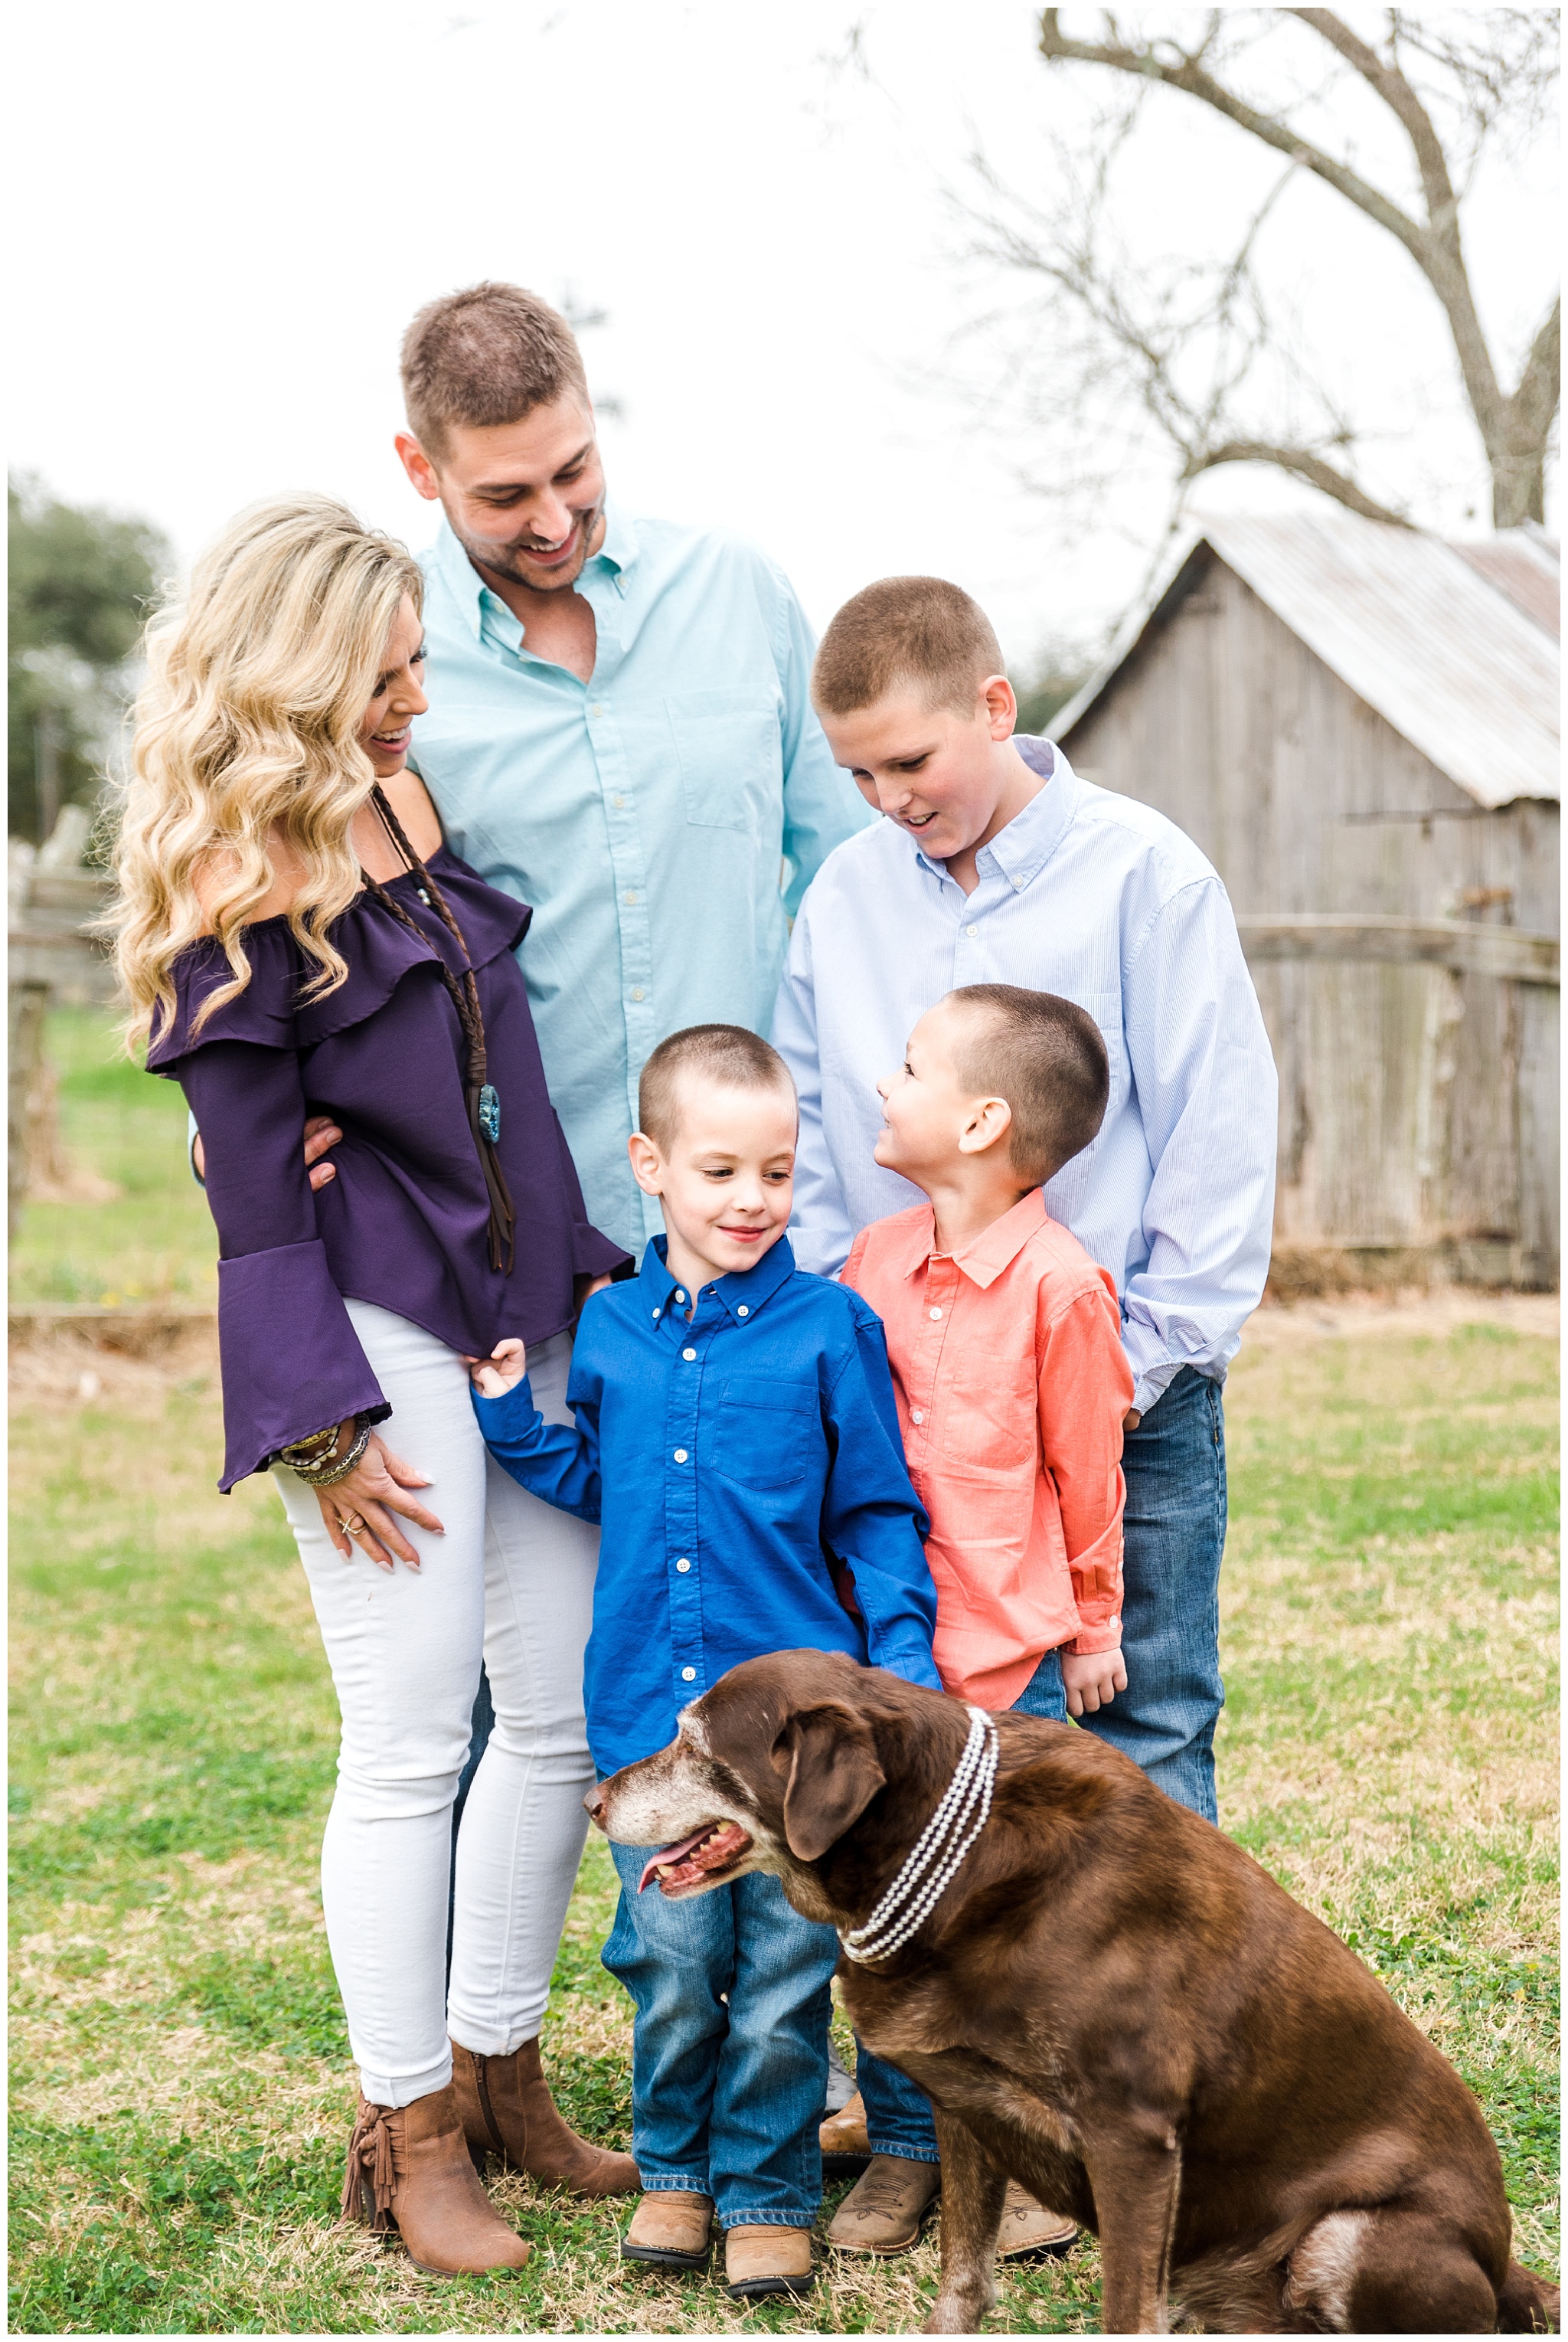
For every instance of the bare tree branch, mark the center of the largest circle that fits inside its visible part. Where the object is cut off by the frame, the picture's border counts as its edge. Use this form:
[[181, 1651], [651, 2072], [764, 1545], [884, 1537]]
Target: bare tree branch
[[1305, 465], [1439, 252], [1541, 383], [1514, 429], [1186, 73]]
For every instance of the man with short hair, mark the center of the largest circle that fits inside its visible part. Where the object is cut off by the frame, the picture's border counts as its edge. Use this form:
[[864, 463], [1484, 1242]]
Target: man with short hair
[[620, 734], [620, 730]]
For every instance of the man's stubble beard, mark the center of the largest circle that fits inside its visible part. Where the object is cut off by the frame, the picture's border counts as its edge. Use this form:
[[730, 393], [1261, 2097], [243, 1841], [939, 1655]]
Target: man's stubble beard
[[497, 560]]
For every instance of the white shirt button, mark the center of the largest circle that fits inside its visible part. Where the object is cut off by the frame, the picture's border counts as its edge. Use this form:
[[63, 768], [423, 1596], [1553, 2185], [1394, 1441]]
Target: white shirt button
[[679, 1294], [742, 1311], [596, 709], [619, 803], [655, 1313], [1018, 886], [688, 1674], [683, 1565], [637, 992], [968, 931], [916, 1415], [680, 1455], [632, 897], [688, 1356], [937, 1313]]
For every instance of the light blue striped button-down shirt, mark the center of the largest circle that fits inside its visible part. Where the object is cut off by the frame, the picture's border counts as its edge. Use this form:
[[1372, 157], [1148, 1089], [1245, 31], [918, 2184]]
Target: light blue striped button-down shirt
[[1104, 900], [647, 815]]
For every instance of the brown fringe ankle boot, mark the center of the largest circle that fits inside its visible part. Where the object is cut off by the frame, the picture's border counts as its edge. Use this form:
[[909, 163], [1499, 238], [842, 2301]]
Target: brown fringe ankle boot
[[409, 2170], [507, 2110]]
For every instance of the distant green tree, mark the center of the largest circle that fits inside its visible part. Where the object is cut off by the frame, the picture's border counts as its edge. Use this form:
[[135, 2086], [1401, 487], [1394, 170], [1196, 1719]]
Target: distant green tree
[[80, 581], [1058, 675]]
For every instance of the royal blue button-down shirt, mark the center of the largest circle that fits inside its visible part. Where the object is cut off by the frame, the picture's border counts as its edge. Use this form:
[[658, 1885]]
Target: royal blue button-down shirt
[[746, 1466], [661, 818]]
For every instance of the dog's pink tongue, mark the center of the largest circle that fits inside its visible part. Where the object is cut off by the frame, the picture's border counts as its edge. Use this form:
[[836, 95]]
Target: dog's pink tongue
[[682, 1846]]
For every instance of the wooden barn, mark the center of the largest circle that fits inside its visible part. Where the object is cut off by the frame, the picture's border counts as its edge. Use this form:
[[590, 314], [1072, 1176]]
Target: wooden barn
[[1358, 725]]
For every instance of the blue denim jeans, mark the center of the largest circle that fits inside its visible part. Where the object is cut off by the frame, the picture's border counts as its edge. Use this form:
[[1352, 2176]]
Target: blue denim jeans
[[1173, 1533], [729, 2048]]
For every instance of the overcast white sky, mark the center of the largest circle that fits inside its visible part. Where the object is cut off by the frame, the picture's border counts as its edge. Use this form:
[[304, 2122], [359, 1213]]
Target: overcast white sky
[[227, 215]]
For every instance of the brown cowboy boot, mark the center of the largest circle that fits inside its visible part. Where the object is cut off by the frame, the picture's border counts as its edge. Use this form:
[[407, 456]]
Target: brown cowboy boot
[[507, 2110], [886, 2208], [1027, 2228], [409, 2170], [760, 2261]]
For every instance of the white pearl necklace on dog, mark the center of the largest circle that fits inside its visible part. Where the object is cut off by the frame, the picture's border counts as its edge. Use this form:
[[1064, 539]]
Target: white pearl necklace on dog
[[932, 1861]]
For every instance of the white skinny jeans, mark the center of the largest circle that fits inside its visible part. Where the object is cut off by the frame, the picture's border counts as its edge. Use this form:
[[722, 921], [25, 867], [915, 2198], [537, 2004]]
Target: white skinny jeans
[[511, 1577]]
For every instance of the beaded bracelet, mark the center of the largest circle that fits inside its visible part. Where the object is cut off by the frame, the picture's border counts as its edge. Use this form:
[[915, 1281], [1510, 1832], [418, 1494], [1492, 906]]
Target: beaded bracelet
[[301, 1454], [326, 1474]]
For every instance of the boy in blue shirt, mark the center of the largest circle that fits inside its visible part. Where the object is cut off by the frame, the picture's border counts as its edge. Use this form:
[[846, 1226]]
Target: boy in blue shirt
[[736, 1437]]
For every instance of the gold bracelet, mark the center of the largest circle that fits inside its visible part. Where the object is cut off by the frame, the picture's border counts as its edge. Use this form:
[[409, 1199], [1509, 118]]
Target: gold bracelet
[[313, 1448], [325, 1473]]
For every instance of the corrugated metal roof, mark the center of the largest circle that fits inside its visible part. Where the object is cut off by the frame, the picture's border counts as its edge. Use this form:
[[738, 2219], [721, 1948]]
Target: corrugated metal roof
[[1523, 564], [1411, 625]]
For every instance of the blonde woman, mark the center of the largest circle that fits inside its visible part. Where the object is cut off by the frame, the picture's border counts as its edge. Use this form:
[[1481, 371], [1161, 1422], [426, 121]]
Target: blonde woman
[[294, 939]]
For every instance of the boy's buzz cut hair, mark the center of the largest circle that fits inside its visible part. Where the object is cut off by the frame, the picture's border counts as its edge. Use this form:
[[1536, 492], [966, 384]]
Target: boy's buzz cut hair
[[725, 1053], [1046, 1056], [486, 356], [903, 630]]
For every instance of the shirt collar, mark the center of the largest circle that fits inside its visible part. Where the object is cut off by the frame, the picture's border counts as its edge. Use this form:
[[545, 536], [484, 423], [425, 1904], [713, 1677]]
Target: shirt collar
[[984, 1257], [618, 552], [743, 1293], [1021, 850], [620, 548]]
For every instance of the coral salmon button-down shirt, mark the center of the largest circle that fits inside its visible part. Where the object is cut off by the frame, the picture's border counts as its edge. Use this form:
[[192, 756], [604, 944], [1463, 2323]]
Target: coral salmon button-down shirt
[[1011, 1383]]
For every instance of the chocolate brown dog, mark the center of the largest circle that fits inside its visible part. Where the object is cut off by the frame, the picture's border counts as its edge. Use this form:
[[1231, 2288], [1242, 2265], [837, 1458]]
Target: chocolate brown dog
[[1111, 2004]]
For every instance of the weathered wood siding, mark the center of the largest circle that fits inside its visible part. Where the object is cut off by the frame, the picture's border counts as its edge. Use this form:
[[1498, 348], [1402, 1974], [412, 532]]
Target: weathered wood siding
[[1418, 1106]]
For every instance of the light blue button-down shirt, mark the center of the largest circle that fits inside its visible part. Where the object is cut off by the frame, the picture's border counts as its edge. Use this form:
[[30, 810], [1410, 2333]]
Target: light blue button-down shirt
[[1102, 899], [648, 814]]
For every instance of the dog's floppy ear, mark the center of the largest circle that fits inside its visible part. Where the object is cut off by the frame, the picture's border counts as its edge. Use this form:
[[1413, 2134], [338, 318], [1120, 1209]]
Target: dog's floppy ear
[[833, 1777]]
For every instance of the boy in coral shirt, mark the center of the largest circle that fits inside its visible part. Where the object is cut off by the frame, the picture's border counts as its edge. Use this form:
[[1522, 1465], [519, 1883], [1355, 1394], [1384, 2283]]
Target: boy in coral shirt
[[1005, 1338]]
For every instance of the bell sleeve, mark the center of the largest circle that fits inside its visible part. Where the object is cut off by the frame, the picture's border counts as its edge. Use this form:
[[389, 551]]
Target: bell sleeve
[[594, 1253], [291, 1360]]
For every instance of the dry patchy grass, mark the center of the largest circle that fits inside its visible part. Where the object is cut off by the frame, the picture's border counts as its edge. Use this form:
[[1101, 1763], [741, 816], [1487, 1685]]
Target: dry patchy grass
[[181, 2086]]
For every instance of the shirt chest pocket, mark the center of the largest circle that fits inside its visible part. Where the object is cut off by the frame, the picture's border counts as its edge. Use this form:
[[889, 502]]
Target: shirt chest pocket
[[766, 1435], [731, 758]]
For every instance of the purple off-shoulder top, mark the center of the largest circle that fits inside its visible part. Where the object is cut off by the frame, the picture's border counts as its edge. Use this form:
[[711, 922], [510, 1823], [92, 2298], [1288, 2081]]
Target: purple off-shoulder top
[[404, 1223]]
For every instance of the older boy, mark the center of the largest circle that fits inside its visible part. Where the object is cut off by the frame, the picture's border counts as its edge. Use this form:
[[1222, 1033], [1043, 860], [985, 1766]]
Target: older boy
[[736, 1435], [995, 863]]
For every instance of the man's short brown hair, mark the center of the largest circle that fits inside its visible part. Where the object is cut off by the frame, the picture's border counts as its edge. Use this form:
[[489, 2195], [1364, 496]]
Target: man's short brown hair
[[1046, 1058], [488, 354], [725, 1053], [903, 630]]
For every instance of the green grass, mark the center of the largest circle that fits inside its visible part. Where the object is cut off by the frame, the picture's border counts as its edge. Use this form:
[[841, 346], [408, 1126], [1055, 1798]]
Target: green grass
[[180, 2089], [154, 1240]]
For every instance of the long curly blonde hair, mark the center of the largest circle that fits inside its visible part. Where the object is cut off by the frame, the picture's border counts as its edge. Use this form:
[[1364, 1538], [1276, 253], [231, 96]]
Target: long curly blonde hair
[[247, 732]]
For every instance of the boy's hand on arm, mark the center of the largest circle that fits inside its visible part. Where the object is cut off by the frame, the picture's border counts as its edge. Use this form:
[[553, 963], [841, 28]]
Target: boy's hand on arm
[[1092, 1680], [320, 1134], [502, 1371]]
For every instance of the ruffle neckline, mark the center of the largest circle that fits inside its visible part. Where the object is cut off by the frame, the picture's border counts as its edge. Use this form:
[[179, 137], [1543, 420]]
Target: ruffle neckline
[[380, 950]]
